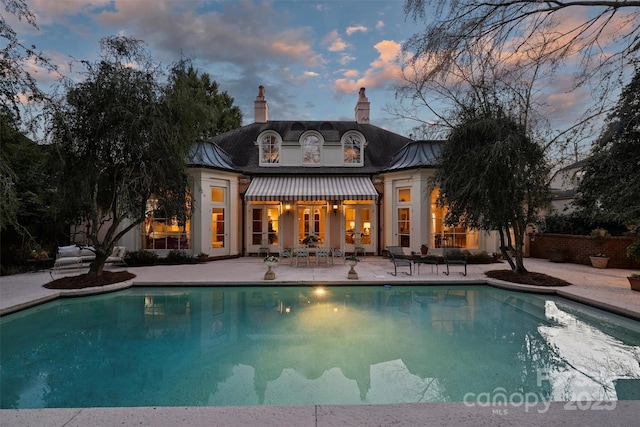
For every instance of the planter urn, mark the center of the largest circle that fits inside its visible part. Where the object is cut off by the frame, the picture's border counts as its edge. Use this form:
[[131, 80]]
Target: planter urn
[[270, 274], [599, 261], [634, 282], [352, 273]]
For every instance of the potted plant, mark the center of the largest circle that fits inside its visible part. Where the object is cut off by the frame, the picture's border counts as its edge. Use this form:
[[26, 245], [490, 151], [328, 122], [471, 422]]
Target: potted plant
[[633, 251], [202, 257], [352, 261], [599, 260], [310, 240], [424, 249], [271, 261]]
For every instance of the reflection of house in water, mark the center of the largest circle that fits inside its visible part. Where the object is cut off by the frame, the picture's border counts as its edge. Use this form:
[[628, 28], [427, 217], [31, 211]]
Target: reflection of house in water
[[440, 343]]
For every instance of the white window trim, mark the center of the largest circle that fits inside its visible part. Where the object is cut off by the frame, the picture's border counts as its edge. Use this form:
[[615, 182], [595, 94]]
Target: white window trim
[[363, 145], [321, 141], [260, 153]]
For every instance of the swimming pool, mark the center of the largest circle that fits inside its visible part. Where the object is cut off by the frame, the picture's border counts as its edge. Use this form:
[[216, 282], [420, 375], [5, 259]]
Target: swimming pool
[[306, 345]]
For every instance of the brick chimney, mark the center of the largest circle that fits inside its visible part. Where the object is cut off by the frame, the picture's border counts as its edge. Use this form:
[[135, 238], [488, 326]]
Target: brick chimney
[[260, 107], [362, 108]]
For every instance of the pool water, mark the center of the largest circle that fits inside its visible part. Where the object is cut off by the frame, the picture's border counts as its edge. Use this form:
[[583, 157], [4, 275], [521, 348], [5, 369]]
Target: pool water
[[186, 346]]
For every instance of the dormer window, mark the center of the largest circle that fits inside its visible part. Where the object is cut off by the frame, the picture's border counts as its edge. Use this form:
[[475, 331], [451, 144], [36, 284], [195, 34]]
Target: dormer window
[[269, 149], [311, 149], [352, 146]]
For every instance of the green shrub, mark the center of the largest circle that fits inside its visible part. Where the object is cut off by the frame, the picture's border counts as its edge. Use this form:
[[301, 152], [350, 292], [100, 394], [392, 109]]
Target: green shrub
[[176, 256], [578, 225], [480, 258], [633, 250], [141, 258]]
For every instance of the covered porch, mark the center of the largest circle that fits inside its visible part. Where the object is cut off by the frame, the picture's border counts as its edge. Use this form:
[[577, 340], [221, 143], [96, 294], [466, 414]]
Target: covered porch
[[340, 211]]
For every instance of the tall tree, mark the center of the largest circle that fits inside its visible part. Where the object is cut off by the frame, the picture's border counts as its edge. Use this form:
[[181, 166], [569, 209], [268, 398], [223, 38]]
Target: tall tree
[[18, 92], [123, 135], [492, 176], [221, 115], [610, 184]]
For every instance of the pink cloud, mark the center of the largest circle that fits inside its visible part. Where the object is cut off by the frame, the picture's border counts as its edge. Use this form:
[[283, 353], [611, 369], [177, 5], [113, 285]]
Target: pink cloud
[[382, 70], [334, 42], [356, 28]]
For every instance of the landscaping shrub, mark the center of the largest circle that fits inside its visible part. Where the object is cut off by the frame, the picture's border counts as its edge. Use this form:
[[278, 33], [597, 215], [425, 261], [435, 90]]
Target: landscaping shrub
[[480, 258], [578, 225], [180, 257], [141, 258]]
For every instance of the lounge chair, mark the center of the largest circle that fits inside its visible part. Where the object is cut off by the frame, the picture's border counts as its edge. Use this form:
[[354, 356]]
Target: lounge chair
[[117, 255], [397, 257], [454, 256], [67, 257]]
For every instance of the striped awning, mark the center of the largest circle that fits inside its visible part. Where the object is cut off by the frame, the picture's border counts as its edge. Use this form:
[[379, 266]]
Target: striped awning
[[311, 188]]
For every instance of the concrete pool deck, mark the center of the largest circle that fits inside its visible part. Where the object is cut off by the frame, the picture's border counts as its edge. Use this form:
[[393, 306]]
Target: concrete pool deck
[[604, 288]]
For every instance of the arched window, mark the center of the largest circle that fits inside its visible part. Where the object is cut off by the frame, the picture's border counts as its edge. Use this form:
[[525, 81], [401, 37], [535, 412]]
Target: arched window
[[269, 149], [352, 150], [311, 149]]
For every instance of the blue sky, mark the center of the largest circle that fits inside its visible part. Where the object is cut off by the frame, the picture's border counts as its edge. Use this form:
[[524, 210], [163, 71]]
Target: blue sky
[[311, 56]]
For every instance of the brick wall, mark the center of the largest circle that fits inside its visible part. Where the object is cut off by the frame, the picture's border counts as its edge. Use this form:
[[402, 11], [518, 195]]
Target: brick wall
[[580, 247]]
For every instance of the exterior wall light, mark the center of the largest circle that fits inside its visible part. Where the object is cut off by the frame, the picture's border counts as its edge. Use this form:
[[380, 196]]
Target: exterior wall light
[[335, 208]]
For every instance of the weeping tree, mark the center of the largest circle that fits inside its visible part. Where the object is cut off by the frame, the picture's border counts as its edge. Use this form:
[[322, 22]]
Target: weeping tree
[[492, 176], [122, 135]]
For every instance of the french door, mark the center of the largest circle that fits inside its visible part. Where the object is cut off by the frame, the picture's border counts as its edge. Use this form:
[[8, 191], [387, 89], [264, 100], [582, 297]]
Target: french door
[[359, 228], [264, 227], [219, 231], [312, 221]]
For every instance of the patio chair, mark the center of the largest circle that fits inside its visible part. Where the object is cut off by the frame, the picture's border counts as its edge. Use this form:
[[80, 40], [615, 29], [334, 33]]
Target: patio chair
[[397, 257], [302, 254], [287, 253], [454, 256], [358, 247], [336, 253], [264, 249], [322, 255]]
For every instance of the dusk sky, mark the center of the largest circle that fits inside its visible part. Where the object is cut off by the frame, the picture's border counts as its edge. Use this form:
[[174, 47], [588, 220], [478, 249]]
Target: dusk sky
[[311, 56]]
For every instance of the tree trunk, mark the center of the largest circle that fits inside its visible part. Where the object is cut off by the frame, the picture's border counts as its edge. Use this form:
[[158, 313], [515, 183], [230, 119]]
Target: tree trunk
[[97, 265]]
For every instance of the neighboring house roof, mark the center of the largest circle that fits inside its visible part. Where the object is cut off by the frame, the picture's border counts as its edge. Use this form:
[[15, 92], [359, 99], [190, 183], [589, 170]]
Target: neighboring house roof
[[209, 155], [577, 165], [416, 154], [240, 144]]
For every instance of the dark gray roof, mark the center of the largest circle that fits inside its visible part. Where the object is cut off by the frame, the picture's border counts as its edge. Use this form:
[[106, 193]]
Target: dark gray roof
[[577, 165], [209, 155], [243, 152], [416, 154]]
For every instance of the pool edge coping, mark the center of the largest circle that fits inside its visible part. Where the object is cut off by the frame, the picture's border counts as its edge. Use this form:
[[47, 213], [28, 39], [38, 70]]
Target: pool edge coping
[[551, 290]]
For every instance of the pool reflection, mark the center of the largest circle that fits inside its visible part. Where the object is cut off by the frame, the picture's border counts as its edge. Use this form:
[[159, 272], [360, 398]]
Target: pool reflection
[[293, 345]]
